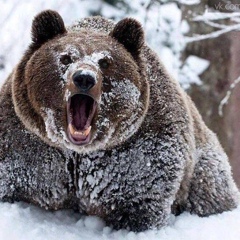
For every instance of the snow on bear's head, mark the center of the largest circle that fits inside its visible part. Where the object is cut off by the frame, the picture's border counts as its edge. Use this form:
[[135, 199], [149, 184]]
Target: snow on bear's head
[[84, 90]]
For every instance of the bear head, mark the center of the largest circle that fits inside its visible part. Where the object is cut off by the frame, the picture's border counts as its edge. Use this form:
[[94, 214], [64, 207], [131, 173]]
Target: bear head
[[82, 90]]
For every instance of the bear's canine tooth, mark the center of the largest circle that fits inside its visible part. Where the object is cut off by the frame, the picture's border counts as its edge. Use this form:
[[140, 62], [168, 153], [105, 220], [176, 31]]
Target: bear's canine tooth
[[71, 129], [85, 133]]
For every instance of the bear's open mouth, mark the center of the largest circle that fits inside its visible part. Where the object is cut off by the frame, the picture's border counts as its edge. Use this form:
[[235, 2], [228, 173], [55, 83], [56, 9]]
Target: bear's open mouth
[[80, 112]]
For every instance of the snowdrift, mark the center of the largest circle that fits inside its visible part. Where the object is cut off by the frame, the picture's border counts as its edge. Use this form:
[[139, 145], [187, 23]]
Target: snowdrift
[[20, 221]]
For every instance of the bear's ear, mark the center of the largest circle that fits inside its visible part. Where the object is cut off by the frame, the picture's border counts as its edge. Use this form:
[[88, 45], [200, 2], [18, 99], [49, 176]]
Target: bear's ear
[[129, 32], [46, 25]]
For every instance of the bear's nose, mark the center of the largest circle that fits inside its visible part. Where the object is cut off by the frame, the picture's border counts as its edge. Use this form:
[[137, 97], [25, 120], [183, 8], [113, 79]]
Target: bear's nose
[[84, 80]]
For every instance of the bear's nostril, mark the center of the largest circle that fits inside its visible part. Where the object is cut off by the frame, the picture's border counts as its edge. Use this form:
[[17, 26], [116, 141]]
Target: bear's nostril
[[83, 81]]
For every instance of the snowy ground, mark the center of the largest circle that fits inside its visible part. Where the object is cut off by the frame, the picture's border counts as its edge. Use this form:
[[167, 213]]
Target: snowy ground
[[24, 222], [21, 221]]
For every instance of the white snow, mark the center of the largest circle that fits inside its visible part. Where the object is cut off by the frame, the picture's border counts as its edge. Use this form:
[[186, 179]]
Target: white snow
[[89, 73], [127, 90], [91, 60], [67, 95], [216, 16], [71, 69], [50, 124], [210, 18], [20, 221], [55, 134], [193, 67], [189, 2], [72, 51], [94, 58], [197, 64]]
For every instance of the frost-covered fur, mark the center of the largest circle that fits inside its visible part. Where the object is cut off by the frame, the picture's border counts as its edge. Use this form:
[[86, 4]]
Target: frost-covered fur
[[150, 155]]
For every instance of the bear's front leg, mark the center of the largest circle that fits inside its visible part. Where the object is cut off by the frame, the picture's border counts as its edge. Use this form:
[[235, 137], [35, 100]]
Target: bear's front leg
[[138, 215], [212, 188]]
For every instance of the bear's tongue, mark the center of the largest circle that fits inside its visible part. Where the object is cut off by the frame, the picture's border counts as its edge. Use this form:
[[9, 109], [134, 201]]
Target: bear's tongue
[[81, 112]]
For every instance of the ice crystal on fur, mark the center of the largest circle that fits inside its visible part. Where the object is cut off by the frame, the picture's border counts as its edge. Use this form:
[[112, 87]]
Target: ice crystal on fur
[[67, 95], [50, 125], [94, 58]]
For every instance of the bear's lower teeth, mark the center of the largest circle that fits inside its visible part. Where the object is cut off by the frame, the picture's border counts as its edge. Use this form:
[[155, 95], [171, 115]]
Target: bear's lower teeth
[[74, 132]]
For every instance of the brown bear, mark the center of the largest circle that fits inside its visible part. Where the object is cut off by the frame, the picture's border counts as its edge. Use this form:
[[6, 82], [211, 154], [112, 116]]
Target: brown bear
[[92, 121]]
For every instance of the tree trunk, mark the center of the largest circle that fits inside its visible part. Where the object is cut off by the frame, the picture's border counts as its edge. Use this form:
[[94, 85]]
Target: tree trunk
[[224, 55]]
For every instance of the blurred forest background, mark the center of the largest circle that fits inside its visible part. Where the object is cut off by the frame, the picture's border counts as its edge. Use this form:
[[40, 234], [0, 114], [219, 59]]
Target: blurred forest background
[[197, 40]]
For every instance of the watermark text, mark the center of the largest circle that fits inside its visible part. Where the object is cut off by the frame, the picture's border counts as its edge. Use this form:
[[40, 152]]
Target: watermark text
[[221, 6]]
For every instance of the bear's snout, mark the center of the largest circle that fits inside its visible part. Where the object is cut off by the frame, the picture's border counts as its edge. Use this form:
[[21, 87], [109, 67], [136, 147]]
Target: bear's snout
[[84, 79]]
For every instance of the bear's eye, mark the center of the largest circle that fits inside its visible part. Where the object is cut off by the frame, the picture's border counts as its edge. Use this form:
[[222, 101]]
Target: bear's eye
[[65, 59], [103, 63]]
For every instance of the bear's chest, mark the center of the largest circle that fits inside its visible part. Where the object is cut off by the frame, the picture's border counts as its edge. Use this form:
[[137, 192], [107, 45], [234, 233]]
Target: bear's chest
[[54, 179]]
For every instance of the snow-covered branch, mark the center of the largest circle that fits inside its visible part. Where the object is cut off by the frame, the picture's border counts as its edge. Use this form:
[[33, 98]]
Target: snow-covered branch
[[226, 98], [216, 25], [188, 2], [213, 16], [209, 17], [214, 34]]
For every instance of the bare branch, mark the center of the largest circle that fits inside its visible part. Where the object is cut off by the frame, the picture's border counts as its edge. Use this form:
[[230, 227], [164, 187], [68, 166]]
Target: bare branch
[[228, 95]]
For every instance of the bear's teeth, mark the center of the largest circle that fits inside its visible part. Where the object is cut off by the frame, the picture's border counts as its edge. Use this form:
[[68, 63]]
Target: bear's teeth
[[73, 131], [85, 133]]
